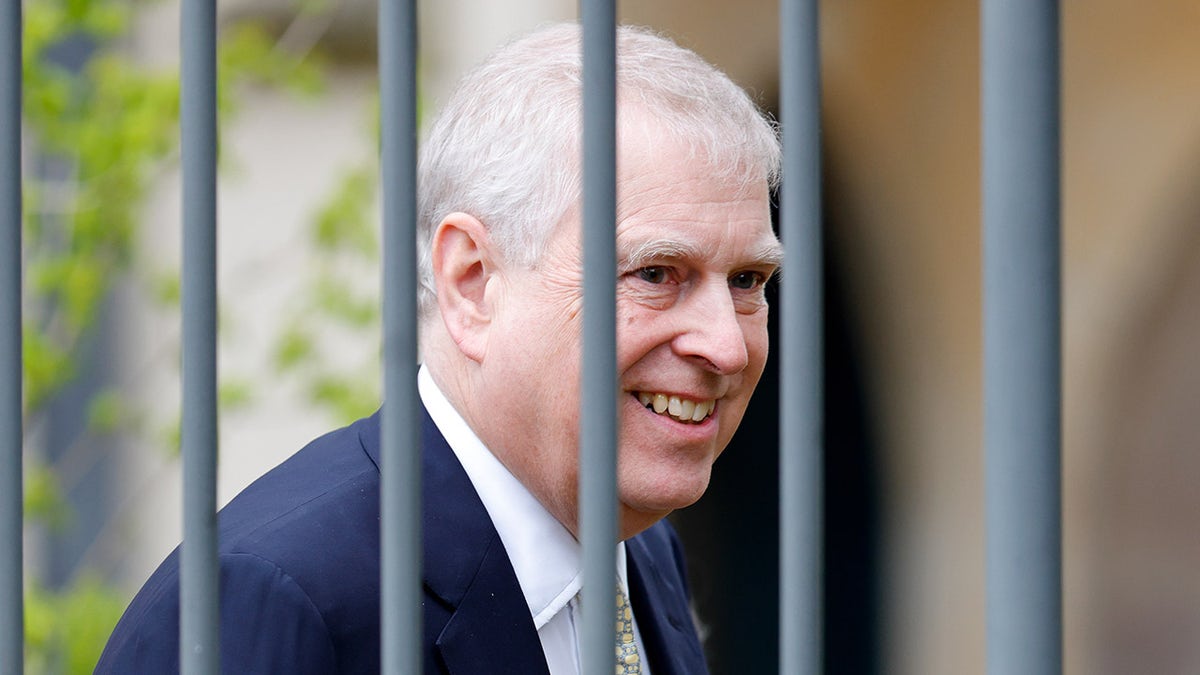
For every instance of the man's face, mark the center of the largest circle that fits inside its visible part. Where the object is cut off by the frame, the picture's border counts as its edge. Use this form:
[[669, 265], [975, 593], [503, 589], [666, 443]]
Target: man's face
[[693, 256]]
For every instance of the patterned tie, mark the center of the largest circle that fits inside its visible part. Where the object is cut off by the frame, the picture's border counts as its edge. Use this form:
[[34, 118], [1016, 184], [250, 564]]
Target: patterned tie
[[628, 662]]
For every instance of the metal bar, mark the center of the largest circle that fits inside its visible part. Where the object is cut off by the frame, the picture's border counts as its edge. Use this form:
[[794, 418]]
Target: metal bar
[[12, 625], [400, 494], [199, 644], [801, 417], [1022, 335], [598, 414]]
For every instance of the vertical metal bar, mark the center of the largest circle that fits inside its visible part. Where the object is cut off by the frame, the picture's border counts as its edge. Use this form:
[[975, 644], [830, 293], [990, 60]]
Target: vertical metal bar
[[598, 426], [801, 433], [198, 124], [12, 625], [400, 496], [1022, 334]]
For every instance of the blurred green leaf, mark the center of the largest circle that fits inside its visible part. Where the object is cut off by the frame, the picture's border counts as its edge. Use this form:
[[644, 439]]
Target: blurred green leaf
[[89, 611], [235, 394], [47, 366], [314, 6], [249, 52], [292, 347], [346, 396], [41, 620], [166, 289], [44, 502], [344, 223], [338, 301], [170, 437], [65, 630], [107, 411]]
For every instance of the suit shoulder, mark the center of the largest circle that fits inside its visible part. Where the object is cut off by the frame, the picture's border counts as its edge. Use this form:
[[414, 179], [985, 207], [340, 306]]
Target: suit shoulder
[[330, 482], [315, 516], [268, 624], [299, 551]]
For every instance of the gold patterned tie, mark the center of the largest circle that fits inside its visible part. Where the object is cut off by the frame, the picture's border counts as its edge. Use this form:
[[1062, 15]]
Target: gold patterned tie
[[628, 661]]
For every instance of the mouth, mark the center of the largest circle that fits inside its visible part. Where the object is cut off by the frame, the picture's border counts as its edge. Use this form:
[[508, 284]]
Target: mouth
[[682, 410]]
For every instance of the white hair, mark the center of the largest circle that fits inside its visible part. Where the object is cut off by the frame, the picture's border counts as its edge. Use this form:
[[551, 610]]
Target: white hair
[[505, 147]]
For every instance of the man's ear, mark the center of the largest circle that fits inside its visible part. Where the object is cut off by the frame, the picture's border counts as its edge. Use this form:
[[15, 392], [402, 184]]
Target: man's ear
[[463, 262]]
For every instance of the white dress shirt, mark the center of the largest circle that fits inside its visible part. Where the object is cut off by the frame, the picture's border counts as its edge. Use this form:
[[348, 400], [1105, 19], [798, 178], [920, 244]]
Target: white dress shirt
[[546, 557]]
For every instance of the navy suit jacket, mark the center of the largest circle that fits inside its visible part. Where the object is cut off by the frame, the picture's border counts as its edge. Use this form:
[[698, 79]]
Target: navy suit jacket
[[299, 561]]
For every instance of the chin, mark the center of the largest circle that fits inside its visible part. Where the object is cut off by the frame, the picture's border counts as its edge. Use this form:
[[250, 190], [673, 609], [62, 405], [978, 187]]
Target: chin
[[663, 494]]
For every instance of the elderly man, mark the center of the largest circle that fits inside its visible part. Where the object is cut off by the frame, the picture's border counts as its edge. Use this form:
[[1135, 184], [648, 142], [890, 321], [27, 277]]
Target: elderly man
[[501, 294]]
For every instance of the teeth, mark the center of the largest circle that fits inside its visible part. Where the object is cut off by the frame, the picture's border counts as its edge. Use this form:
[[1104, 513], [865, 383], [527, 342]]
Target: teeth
[[681, 409]]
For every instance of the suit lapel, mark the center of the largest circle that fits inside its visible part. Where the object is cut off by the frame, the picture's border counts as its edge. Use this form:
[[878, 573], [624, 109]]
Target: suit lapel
[[465, 565], [485, 634], [663, 617]]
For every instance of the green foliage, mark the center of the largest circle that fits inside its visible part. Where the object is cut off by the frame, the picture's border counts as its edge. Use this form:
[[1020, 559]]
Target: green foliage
[[337, 300], [344, 223], [347, 396], [44, 503], [247, 51], [66, 629], [235, 394], [346, 240], [102, 130], [48, 366], [166, 289], [107, 412], [98, 136], [110, 127], [170, 436], [293, 347]]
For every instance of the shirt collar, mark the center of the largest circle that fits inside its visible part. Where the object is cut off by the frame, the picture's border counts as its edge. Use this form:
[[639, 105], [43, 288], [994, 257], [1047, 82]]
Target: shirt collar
[[546, 557]]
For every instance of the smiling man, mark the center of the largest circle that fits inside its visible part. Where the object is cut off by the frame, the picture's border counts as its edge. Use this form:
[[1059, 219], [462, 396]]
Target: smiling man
[[501, 269]]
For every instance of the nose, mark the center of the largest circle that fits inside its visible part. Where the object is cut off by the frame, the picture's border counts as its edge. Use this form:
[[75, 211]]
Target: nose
[[710, 332]]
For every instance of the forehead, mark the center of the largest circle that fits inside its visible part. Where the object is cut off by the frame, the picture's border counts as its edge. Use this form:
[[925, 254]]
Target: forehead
[[671, 203]]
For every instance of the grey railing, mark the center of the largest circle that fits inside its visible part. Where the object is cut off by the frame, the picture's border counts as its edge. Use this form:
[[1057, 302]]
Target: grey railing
[[801, 365], [11, 494], [1022, 336], [198, 576], [400, 461], [598, 429]]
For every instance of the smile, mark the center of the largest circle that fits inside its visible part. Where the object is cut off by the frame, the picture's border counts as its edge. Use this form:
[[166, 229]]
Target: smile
[[679, 409]]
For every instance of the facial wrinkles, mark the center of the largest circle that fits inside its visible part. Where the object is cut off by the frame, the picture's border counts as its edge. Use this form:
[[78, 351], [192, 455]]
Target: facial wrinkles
[[559, 272], [737, 216], [687, 270]]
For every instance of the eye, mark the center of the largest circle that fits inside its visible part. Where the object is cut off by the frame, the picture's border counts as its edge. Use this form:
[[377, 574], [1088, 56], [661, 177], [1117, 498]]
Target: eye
[[746, 281], [653, 275]]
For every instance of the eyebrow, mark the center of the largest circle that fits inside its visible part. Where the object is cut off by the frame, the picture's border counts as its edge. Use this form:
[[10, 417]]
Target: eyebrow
[[768, 255]]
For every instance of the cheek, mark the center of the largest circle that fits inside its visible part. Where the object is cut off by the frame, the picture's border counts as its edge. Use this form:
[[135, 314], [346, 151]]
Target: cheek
[[754, 332], [639, 331], [549, 325]]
